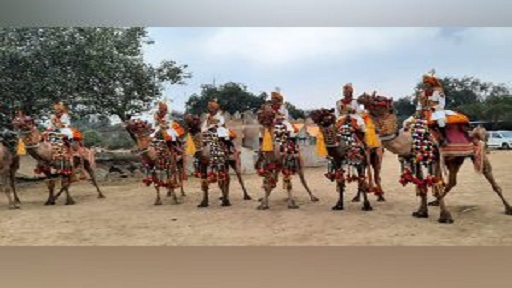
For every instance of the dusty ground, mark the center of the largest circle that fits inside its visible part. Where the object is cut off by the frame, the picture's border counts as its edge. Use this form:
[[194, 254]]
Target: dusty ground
[[128, 217]]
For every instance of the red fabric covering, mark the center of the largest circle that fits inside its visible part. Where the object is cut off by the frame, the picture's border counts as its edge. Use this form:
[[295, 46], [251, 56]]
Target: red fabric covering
[[456, 134]]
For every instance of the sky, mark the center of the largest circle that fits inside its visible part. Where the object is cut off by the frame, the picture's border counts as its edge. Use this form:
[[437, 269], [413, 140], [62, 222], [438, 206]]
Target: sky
[[310, 65]]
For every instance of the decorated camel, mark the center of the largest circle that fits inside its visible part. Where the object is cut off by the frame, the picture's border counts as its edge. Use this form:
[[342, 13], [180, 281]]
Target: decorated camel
[[279, 153], [164, 166], [348, 158], [56, 159], [211, 160], [424, 159]]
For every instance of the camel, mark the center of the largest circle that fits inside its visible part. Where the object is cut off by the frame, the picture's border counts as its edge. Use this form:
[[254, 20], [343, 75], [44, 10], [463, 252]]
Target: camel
[[399, 142], [342, 154], [284, 158], [9, 164], [164, 167], [193, 124], [212, 162], [41, 149]]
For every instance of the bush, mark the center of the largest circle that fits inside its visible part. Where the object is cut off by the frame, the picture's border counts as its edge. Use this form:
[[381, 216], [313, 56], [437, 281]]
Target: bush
[[119, 140], [92, 138]]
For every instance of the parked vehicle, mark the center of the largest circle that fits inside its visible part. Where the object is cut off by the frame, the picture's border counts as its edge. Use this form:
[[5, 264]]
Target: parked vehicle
[[499, 139]]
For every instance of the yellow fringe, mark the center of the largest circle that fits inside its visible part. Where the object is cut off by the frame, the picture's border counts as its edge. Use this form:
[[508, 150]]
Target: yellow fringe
[[268, 145], [371, 138], [21, 148], [190, 146], [321, 149]]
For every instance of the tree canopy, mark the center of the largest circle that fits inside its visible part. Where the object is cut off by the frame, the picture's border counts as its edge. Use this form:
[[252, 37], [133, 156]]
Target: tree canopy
[[93, 70], [232, 97]]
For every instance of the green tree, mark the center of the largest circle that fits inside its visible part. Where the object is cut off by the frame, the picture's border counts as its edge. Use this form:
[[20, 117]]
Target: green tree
[[94, 70], [404, 107], [232, 97], [92, 138], [295, 112]]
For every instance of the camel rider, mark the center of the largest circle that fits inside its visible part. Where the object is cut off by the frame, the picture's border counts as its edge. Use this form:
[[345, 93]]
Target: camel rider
[[171, 131], [432, 101], [349, 106], [60, 122], [279, 106], [216, 122], [7, 134]]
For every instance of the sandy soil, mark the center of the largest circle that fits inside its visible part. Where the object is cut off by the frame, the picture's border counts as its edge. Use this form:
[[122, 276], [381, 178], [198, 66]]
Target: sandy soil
[[128, 216]]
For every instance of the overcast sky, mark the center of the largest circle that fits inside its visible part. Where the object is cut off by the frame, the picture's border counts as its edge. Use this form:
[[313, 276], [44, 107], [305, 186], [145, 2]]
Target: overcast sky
[[310, 65]]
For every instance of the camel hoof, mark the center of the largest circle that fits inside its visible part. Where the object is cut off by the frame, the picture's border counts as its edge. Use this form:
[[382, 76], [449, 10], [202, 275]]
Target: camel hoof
[[445, 221], [202, 205], [70, 202], [263, 207], [433, 203], [508, 211], [48, 203], [247, 197], [420, 214], [314, 199], [226, 203], [356, 199], [337, 208], [367, 208], [14, 207], [293, 206], [381, 198], [101, 196], [158, 203]]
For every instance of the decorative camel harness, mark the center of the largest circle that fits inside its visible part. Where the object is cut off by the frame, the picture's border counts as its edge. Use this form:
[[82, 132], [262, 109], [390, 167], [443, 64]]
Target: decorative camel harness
[[288, 150], [356, 154]]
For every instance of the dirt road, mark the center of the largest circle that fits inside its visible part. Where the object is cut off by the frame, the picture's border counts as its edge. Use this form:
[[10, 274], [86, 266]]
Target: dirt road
[[128, 217]]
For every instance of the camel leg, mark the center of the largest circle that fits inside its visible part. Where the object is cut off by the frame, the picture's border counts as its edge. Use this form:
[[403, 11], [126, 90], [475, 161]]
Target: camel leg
[[181, 171], [88, 168], [204, 187], [238, 171], [59, 193], [158, 199], [357, 198], [66, 185], [377, 168], [364, 188], [51, 188], [4, 183], [288, 185], [487, 171], [423, 209], [268, 184], [453, 166], [224, 186], [302, 178], [174, 195], [12, 182], [340, 186]]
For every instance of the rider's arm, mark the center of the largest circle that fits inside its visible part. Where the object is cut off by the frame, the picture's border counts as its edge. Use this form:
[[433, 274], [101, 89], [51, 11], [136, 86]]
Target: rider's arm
[[439, 97], [65, 120], [221, 119]]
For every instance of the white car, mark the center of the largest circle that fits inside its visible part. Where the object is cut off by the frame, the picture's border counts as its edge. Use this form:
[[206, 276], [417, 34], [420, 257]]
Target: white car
[[499, 139]]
